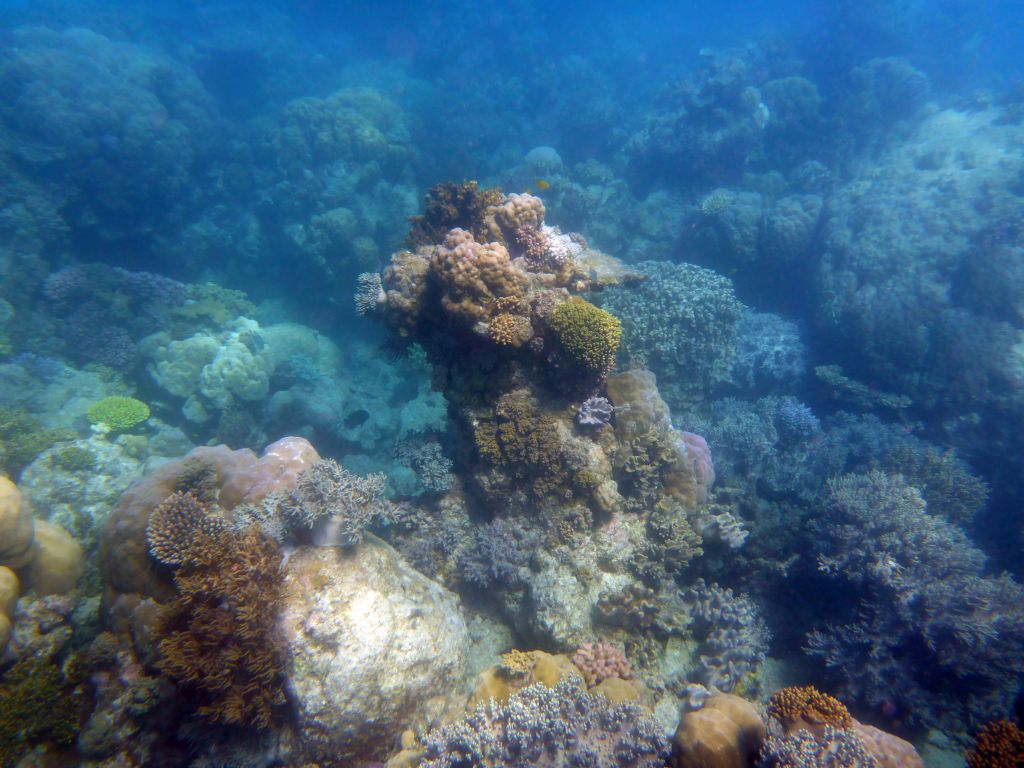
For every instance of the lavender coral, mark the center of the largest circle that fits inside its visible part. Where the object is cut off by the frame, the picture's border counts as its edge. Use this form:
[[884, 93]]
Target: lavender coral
[[545, 727]]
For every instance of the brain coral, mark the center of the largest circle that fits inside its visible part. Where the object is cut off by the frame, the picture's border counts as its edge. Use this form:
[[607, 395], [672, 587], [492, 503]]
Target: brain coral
[[473, 274]]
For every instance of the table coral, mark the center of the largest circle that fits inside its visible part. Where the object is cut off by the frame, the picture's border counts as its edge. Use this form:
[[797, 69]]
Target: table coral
[[119, 413]]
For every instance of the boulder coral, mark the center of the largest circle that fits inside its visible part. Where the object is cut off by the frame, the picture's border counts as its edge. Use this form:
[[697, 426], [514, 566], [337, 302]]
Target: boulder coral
[[726, 732]]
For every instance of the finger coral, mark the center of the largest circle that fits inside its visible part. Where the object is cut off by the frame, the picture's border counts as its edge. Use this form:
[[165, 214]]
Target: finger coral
[[599, 661]]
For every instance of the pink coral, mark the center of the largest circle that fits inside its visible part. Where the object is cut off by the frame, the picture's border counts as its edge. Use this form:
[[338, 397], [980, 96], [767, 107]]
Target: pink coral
[[599, 661], [698, 454]]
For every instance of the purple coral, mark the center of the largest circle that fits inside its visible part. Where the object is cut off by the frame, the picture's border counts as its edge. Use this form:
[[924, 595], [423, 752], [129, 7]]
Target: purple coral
[[595, 412], [501, 549], [698, 454], [599, 661], [550, 728]]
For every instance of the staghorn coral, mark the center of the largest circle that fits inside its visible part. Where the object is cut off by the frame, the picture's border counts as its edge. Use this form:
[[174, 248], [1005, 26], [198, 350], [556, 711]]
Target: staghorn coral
[[327, 493], [545, 727], [933, 635], [428, 461], [798, 707], [1000, 744], [471, 275], [599, 661], [587, 335], [500, 551]]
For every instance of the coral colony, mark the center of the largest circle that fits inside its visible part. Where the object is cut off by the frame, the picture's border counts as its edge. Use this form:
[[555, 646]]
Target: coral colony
[[502, 399]]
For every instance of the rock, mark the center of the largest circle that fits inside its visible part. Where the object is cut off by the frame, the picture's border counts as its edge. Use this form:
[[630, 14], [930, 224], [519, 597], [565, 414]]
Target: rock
[[374, 648], [726, 732]]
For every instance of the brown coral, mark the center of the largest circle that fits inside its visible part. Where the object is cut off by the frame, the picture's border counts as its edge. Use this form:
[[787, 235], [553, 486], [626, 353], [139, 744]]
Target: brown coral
[[512, 213], [600, 661], [182, 531], [725, 733], [217, 637], [806, 707], [450, 205], [472, 275], [509, 330], [1000, 744]]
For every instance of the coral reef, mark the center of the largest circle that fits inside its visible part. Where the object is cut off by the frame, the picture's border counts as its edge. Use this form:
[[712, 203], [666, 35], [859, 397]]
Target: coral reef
[[559, 726], [120, 414], [934, 636], [800, 707]]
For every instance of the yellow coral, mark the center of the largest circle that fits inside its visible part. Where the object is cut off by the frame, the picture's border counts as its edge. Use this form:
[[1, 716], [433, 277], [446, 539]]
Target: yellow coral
[[510, 330], [588, 335], [805, 706], [1000, 744]]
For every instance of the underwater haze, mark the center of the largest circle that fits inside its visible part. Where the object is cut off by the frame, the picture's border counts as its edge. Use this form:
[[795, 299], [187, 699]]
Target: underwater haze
[[525, 384]]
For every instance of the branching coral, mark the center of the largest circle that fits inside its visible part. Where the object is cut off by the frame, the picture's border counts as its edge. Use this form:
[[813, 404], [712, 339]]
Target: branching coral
[[327, 492], [118, 413], [35, 704], [217, 638], [549, 728], [933, 635], [525, 442]]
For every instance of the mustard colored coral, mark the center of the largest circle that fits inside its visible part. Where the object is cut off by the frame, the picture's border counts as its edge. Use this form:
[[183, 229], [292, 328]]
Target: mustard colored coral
[[588, 335], [795, 706], [1000, 744]]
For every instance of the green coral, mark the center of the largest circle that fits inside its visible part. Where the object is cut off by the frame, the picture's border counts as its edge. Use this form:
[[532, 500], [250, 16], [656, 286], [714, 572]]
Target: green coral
[[118, 413], [35, 704], [74, 458], [22, 438], [588, 335]]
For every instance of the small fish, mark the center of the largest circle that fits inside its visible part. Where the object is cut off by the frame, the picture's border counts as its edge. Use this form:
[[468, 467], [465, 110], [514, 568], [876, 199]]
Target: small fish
[[542, 184]]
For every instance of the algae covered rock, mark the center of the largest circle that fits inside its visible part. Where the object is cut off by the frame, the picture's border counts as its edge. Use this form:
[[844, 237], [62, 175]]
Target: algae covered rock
[[374, 648]]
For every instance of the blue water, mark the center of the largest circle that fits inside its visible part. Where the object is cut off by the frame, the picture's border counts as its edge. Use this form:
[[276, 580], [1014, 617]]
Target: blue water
[[811, 217]]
